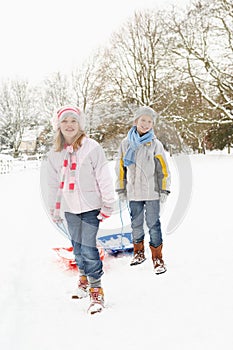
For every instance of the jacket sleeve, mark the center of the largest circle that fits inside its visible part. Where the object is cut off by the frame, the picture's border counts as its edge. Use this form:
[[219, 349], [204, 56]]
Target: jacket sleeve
[[104, 180], [52, 180], [121, 171], [162, 169]]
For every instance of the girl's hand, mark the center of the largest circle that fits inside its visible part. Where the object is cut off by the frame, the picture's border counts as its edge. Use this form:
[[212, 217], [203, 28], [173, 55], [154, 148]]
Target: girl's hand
[[55, 216], [101, 217]]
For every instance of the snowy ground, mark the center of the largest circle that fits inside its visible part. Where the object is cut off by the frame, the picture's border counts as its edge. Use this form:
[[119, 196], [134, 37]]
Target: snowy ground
[[189, 307]]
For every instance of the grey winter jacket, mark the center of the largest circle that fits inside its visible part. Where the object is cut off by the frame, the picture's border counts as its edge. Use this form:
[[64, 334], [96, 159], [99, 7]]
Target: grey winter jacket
[[148, 177]]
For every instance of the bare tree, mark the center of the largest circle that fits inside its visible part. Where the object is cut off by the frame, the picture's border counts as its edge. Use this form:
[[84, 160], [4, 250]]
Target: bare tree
[[137, 61], [89, 84]]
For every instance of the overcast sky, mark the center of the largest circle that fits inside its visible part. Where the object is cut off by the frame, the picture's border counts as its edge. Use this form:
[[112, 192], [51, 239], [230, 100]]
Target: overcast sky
[[43, 36]]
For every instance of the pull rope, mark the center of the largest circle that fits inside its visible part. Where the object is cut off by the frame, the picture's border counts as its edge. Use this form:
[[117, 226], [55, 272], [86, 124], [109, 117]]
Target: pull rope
[[63, 228], [122, 222]]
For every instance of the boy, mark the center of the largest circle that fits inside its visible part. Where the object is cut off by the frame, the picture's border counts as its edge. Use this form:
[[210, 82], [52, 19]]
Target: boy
[[143, 178]]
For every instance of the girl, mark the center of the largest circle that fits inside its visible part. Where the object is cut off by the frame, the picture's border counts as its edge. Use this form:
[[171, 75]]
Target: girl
[[80, 186], [144, 178]]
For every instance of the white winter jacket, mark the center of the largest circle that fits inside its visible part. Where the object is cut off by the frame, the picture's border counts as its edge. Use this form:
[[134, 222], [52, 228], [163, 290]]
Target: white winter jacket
[[94, 187], [148, 177]]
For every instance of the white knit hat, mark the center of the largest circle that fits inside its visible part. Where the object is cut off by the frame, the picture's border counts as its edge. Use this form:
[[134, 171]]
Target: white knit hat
[[70, 111], [144, 110]]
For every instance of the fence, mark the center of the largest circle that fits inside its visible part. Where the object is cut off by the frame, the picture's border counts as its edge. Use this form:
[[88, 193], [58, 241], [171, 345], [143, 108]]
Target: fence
[[9, 164], [6, 164]]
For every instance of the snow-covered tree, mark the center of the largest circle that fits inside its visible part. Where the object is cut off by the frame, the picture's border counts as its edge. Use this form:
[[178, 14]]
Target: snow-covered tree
[[55, 93], [16, 105], [203, 48]]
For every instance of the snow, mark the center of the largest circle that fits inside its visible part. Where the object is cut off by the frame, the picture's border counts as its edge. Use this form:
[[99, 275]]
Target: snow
[[188, 307]]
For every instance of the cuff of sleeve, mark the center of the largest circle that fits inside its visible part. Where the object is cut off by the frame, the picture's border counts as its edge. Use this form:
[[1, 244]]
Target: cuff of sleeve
[[165, 191], [104, 215]]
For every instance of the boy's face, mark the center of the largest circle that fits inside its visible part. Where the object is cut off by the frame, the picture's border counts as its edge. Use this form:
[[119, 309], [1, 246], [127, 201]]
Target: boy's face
[[69, 127], [144, 124]]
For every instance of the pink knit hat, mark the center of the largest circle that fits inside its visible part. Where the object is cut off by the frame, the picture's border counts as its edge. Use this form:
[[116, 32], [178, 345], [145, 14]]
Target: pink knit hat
[[69, 111]]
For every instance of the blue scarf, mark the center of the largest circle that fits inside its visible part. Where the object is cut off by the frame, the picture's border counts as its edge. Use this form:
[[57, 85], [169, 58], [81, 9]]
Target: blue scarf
[[135, 140]]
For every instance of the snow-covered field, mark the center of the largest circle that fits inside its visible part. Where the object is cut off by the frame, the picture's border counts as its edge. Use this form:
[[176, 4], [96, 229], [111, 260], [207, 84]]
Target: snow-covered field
[[189, 307]]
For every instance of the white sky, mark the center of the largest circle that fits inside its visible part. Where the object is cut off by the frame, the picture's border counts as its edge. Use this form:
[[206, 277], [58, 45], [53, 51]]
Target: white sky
[[43, 36]]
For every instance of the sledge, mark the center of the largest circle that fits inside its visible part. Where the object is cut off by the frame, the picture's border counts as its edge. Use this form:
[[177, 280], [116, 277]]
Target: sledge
[[113, 244], [65, 254], [117, 243], [67, 259]]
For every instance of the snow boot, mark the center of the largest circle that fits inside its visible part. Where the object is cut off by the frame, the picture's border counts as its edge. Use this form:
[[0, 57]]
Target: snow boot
[[157, 259], [139, 256], [97, 300], [82, 290]]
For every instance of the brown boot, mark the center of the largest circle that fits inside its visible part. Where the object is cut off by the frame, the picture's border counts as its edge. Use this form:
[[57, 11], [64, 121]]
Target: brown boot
[[139, 256], [97, 300], [157, 258]]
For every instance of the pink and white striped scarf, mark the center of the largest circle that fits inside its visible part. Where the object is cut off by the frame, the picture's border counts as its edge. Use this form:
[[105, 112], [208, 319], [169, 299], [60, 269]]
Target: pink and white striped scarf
[[69, 160]]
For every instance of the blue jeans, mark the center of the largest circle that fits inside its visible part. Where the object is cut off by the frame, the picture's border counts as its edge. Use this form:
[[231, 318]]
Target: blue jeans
[[83, 230], [152, 217]]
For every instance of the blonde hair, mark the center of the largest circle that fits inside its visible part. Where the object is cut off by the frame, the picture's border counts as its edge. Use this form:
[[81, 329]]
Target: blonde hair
[[59, 141]]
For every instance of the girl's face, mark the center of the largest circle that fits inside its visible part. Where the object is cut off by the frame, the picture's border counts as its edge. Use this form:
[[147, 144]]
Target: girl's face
[[69, 127], [144, 124]]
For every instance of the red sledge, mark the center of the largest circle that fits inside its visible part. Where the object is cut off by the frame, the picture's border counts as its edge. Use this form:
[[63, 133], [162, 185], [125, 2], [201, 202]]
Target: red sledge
[[66, 256]]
